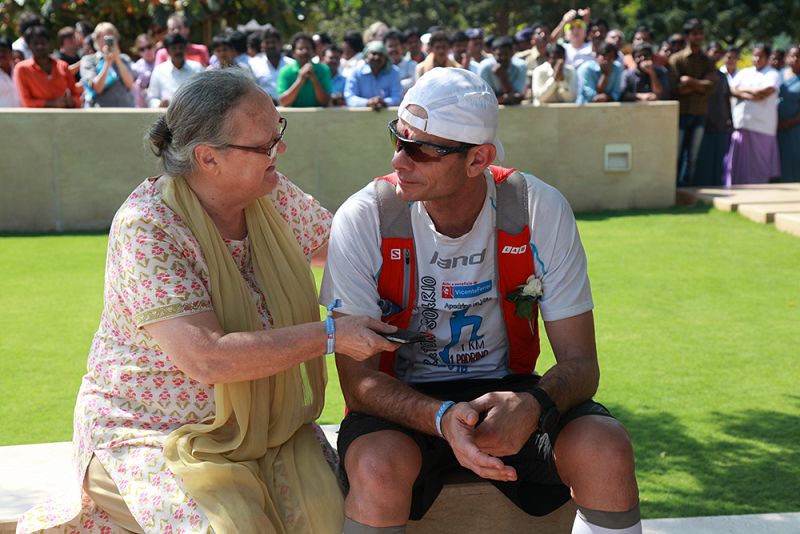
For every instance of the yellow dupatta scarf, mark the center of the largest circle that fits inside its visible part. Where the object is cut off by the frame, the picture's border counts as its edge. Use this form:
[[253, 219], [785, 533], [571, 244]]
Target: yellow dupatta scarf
[[258, 467]]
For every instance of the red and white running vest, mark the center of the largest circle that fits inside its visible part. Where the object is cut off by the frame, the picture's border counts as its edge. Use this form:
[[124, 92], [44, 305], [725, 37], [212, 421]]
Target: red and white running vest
[[397, 281]]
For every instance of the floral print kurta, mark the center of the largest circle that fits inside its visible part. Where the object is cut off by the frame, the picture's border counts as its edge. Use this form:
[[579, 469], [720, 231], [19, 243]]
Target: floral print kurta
[[132, 395]]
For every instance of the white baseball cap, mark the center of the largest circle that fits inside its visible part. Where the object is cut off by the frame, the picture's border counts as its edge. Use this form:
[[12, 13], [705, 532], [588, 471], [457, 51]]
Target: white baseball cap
[[459, 104]]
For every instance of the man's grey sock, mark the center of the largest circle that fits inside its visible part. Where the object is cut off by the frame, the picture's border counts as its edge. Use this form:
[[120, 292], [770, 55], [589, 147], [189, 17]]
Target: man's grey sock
[[589, 521], [354, 527]]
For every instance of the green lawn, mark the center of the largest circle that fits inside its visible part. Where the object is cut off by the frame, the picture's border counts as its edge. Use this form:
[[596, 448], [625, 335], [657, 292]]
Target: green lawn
[[698, 328]]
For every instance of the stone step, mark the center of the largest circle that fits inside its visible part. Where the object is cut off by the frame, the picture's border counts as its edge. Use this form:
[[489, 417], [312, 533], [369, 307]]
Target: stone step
[[729, 199], [789, 223], [726, 524], [765, 212], [30, 474]]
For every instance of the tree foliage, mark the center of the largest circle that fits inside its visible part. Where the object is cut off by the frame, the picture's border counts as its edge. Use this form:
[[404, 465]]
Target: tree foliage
[[731, 21], [132, 17]]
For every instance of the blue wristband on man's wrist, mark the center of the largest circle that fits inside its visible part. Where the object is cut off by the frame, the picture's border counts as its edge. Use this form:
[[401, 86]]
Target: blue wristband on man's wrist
[[446, 405], [330, 327]]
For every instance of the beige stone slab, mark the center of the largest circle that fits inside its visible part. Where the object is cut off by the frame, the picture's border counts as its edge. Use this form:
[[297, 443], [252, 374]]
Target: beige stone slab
[[765, 213], [788, 523], [728, 199], [69, 170], [789, 186], [480, 507], [777, 186], [31, 474], [732, 202], [788, 222]]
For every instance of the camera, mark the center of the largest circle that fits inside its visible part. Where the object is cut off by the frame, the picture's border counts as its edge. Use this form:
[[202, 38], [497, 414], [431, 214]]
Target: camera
[[109, 41]]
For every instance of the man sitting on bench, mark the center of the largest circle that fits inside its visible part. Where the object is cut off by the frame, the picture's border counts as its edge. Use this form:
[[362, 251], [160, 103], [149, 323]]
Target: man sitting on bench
[[467, 253]]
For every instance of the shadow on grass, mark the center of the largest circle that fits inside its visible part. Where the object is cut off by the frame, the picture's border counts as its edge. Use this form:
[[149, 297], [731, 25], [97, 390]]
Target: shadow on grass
[[675, 210], [751, 465]]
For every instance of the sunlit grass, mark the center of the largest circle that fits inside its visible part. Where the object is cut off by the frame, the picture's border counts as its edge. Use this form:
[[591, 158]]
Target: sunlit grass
[[697, 316]]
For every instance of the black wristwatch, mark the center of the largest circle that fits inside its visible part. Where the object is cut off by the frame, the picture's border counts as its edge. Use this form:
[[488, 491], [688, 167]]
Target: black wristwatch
[[548, 420]]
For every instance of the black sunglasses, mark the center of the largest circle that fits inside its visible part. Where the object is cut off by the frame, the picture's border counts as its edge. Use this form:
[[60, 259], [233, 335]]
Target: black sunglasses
[[414, 148], [143, 48], [268, 150]]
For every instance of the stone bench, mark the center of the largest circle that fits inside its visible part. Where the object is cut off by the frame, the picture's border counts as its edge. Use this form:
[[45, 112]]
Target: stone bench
[[30, 474], [489, 511]]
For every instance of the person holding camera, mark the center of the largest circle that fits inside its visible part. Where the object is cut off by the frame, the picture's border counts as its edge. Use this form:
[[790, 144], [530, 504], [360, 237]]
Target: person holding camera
[[107, 75]]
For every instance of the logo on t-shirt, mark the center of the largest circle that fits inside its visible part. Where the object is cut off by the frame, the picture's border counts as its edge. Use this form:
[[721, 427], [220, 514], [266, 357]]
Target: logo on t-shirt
[[465, 290], [452, 263], [508, 249]]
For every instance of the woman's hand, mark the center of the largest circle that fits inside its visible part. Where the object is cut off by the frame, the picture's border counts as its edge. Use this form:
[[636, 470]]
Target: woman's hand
[[356, 336]]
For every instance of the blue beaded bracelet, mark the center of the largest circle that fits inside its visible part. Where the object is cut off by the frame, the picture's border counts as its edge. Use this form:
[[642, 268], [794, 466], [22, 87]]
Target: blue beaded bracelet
[[330, 327], [442, 409]]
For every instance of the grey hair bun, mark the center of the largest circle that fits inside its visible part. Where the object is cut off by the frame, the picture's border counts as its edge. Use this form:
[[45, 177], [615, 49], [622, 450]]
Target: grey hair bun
[[160, 135]]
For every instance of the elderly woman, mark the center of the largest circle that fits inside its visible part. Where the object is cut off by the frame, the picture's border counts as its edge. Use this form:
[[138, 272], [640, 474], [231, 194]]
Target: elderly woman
[[107, 74], [207, 371]]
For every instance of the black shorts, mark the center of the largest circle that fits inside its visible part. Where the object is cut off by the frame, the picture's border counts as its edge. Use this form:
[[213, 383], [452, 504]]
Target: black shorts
[[538, 490]]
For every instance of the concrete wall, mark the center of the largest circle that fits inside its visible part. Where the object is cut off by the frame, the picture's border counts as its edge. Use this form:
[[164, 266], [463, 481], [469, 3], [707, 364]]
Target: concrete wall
[[68, 170]]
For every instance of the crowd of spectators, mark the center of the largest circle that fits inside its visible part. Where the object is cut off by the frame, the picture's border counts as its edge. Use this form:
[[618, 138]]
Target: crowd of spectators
[[736, 125]]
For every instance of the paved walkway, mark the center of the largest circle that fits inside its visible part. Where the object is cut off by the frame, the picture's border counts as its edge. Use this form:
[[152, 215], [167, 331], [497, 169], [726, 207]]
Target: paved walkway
[[33, 473], [777, 204]]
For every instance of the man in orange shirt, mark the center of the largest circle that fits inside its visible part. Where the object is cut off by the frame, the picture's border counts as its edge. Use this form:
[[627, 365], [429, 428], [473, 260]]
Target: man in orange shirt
[[44, 81]]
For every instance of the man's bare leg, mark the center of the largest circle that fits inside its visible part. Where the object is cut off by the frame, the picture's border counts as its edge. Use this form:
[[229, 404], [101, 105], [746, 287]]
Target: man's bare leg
[[381, 467], [594, 457]]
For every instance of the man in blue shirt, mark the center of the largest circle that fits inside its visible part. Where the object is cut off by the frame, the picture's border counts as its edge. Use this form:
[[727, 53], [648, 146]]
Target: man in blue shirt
[[601, 78], [376, 83], [504, 74], [332, 56]]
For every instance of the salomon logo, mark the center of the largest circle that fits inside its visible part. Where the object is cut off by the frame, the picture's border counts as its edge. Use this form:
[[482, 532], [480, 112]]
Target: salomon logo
[[508, 249], [395, 254]]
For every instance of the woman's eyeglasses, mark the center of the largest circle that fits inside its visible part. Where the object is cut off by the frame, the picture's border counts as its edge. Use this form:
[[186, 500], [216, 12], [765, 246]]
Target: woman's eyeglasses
[[416, 149], [144, 48], [270, 150]]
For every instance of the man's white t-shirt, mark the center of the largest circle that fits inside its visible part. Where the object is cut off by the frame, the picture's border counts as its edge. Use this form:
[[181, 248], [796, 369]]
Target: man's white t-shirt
[[577, 56], [757, 115], [9, 96], [457, 300], [266, 74], [166, 78]]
